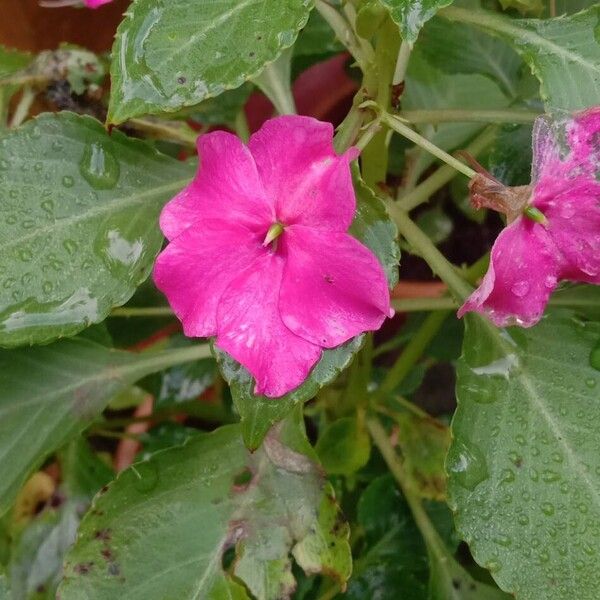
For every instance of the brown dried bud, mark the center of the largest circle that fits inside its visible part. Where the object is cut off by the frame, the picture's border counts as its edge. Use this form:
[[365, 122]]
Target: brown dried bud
[[488, 193]]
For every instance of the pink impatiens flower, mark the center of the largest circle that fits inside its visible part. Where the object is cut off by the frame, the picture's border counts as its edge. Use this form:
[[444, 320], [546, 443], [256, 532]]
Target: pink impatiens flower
[[259, 255], [554, 224]]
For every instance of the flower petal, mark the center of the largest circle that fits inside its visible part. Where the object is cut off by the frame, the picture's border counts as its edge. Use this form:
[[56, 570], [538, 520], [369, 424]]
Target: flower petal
[[523, 272], [251, 330], [226, 187], [196, 267], [308, 182], [568, 194], [333, 287]]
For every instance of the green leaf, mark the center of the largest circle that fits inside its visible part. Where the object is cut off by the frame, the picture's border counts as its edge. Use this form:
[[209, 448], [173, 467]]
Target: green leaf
[[79, 229], [430, 88], [259, 413], [190, 504], [582, 299], [524, 467], [176, 54], [373, 227], [344, 447], [223, 109], [393, 563], [510, 156], [563, 53], [317, 38], [424, 443], [48, 394], [534, 7], [411, 15], [458, 48]]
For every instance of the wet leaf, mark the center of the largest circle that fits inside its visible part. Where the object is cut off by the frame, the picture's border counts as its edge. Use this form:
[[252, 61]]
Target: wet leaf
[[411, 15], [523, 466], [563, 53], [49, 394], [190, 504], [78, 224], [458, 48], [165, 60]]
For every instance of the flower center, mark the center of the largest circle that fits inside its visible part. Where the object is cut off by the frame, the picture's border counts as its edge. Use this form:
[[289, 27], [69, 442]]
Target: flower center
[[273, 233]]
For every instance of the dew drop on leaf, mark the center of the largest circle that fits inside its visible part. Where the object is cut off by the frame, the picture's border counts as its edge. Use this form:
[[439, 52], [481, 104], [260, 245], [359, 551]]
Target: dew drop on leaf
[[468, 465], [99, 167]]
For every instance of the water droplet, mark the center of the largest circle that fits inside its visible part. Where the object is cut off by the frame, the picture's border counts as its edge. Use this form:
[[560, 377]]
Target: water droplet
[[11, 219], [502, 366], [38, 167], [467, 464], [550, 476], [99, 167], [47, 206], [493, 565], [25, 255], [590, 382], [57, 146], [502, 540], [523, 520], [145, 476], [520, 289], [507, 476], [4, 165], [70, 246], [68, 181], [47, 287], [547, 508]]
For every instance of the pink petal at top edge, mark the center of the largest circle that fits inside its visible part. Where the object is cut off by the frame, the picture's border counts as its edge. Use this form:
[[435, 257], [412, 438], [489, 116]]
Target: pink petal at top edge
[[333, 289], [226, 187], [251, 330], [309, 183], [196, 267], [523, 272], [96, 3]]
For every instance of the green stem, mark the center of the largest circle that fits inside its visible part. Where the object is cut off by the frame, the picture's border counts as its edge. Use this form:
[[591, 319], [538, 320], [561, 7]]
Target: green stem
[[22, 110], [275, 82], [444, 174], [241, 125], [469, 116], [411, 353], [171, 131], [424, 304], [402, 62], [426, 248], [154, 311], [374, 158], [399, 127], [430, 535], [345, 34]]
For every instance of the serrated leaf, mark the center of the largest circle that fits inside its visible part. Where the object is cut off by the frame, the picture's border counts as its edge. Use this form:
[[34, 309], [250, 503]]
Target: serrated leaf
[[48, 394], [373, 227], [458, 48], [176, 54], [411, 15], [524, 464], [78, 226], [189, 505], [563, 52]]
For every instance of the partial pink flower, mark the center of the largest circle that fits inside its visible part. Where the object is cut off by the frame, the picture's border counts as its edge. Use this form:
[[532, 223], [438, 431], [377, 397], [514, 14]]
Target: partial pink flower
[[62, 3], [554, 224], [259, 255]]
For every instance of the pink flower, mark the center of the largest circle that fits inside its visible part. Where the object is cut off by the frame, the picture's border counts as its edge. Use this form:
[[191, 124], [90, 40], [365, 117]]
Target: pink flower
[[259, 255], [63, 3], [554, 225]]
